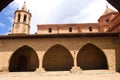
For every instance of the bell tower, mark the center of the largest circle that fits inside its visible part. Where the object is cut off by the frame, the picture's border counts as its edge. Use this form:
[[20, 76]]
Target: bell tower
[[21, 23]]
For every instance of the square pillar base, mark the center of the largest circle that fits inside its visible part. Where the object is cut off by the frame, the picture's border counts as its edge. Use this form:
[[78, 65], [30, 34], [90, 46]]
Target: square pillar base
[[76, 70], [40, 70], [4, 69]]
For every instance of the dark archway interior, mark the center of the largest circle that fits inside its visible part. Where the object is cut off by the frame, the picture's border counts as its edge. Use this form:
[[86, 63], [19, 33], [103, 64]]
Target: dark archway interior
[[24, 59], [91, 57], [57, 58]]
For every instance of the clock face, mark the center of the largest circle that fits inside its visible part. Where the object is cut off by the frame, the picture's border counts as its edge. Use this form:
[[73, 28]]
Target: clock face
[[17, 26]]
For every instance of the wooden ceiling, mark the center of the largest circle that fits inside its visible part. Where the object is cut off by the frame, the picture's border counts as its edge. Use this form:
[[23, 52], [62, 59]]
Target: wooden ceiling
[[4, 3], [115, 3]]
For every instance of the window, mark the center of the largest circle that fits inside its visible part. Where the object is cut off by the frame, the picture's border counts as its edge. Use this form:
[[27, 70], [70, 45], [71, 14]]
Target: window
[[24, 20], [70, 29], [49, 30], [90, 28], [107, 20], [19, 17]]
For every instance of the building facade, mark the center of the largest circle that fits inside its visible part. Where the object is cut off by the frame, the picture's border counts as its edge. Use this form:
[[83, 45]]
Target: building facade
[[61, 47]]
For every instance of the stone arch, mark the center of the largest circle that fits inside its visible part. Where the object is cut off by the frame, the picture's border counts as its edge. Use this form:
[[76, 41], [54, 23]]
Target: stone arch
[[90, 57], [57, 58], [23, 59]]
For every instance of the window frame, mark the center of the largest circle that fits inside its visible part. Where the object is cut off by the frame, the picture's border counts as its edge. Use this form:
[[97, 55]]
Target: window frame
[[90, 29], [50, 30], [70, 29]]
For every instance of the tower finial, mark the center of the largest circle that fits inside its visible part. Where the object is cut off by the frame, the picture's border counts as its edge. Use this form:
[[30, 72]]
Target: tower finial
[[24, 2], [106, 5], [24, 6]]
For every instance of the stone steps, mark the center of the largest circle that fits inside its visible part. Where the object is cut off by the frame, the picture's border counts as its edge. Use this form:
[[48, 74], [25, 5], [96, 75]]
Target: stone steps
[[98, 72], [55, 73]]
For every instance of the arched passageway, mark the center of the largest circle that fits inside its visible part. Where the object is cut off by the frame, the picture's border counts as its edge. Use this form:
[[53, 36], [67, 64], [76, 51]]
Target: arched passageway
[[24, 59], [57, 58], [91, 57]]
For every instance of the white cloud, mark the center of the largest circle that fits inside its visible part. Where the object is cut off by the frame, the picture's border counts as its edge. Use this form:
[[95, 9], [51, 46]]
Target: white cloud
[[2, 25], [11, 22], [62, 11], [10, 19]]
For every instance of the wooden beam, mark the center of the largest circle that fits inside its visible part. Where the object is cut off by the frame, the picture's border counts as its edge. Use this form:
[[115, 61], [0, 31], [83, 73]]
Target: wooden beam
[[115, 3], [4, 3]]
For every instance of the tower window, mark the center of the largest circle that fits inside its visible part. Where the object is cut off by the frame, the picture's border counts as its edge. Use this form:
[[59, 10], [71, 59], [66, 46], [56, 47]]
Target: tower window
[[49, 30], [24, 20], [19, 17], [90, 28], [70, 29]]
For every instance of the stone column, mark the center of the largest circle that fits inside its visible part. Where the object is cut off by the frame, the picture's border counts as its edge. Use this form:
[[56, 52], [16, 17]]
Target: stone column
[[40, 69], [75, 68]]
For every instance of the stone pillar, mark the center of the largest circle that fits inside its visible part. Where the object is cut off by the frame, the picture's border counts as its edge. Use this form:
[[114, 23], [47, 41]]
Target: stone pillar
[[111, 58], [75, 68], [40, 69], [4, 60]]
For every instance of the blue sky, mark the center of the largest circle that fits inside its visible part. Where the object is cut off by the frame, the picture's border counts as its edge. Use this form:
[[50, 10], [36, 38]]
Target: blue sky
[[54, 12], [5, 22]]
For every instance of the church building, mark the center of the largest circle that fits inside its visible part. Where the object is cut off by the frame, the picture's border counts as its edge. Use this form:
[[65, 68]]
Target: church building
[[61, 47]]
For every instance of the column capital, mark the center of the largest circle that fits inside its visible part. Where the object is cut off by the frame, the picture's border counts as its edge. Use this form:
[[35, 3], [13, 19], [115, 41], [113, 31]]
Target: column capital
[[75, 51]]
